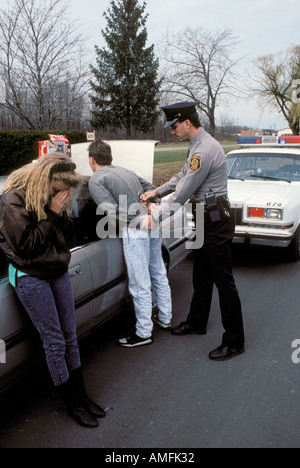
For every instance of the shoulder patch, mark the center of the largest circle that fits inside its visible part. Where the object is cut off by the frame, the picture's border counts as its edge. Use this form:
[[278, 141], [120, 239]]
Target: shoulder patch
[[195, 162]]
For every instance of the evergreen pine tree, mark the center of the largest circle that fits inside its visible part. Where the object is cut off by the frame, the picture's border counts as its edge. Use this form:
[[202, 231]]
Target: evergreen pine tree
[[126, 85]]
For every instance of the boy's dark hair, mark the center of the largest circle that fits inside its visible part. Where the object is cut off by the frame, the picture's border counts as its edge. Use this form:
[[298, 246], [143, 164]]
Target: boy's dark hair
[[101, 152], [193, 118]]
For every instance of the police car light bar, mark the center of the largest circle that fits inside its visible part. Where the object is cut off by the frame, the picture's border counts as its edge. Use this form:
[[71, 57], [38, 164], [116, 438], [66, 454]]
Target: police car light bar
[[270, 144], [284, 140]]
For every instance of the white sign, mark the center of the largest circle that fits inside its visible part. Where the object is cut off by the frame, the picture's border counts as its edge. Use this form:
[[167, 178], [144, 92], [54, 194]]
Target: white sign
[[136, 155], [90, 136]]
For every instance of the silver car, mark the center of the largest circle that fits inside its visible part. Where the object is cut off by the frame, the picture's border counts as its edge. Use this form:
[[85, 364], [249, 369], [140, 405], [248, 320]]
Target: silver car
[[99, 282]]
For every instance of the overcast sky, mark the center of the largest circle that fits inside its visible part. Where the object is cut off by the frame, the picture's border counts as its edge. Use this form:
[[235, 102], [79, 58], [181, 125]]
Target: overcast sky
[[261, 26]]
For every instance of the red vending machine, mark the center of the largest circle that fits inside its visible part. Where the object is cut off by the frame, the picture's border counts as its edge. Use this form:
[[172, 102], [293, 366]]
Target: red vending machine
[[56, 144]]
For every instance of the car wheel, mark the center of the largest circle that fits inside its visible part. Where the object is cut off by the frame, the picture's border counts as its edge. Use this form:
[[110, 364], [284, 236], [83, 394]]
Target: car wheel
[[294, 247]]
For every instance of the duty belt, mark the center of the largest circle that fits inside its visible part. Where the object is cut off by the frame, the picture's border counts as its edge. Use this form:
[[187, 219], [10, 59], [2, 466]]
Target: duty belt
[[216, 208]]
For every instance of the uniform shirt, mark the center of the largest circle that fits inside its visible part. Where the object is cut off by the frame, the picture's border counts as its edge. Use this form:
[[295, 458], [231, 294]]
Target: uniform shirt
[[204, 171], [110, 182]]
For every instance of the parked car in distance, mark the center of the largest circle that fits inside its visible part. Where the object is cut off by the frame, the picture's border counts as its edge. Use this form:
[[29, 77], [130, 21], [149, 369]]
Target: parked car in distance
[[99, 280], [264, 191]]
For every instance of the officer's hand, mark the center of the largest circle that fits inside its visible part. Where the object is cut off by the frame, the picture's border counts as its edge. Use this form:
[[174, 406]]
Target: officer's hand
[[149, 195]]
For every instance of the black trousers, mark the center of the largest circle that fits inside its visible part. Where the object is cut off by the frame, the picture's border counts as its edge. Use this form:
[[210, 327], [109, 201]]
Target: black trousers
[[213, 265]]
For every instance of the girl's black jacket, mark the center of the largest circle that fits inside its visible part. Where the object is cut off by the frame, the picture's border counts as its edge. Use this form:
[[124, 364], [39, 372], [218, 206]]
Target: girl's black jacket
[[40, 249]]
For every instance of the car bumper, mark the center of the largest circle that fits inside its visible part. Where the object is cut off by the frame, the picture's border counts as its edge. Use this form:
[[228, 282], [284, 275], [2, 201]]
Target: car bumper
[[254, 236]]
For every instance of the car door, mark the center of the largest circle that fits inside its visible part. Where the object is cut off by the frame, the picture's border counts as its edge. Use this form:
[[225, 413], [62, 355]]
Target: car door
[[97, 269], [22, 345], [82, 285], [176, 231], [110, 289]]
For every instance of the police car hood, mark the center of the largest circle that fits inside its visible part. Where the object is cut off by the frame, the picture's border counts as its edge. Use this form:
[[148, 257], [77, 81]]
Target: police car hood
[[260, 193]]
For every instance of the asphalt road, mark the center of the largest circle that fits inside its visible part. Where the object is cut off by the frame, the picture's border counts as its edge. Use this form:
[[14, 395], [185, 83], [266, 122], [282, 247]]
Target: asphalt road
[[169, 394]]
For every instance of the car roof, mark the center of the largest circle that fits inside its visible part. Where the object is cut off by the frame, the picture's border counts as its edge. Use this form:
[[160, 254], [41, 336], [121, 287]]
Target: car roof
[[267, 149]]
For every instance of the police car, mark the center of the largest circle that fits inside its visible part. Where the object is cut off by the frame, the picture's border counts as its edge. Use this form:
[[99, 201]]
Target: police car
[[264, 192]]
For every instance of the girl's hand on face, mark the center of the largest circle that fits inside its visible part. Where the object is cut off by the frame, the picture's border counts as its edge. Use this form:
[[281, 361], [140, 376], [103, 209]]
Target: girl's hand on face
[[60, 201]]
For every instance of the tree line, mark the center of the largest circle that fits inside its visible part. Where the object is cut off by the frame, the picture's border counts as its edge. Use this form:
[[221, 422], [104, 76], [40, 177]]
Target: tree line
[[47, 82]]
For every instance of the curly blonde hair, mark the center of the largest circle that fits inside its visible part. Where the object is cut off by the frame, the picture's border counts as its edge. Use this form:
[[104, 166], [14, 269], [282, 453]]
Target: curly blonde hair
[[35, 179]]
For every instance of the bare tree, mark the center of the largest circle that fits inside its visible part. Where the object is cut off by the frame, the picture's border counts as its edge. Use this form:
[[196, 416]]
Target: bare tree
[[278, 76], [198, 66], [41, 62]]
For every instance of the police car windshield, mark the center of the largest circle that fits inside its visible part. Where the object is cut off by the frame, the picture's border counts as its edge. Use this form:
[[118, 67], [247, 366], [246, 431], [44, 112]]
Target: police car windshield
[[266, 166]]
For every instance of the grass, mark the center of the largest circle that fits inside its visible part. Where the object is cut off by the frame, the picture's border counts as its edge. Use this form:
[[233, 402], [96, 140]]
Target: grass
[[168, 163]]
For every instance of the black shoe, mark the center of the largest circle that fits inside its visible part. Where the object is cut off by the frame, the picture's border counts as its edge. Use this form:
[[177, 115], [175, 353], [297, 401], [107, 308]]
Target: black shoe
[[75, 407], [95, 409], [82, 416], [185, 328], [76, 377], [134, 340], [223, 353], [164, 326]]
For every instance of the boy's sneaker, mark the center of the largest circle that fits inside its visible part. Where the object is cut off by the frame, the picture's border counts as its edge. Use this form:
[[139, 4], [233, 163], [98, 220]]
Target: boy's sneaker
[[165, 326], [134, 340]]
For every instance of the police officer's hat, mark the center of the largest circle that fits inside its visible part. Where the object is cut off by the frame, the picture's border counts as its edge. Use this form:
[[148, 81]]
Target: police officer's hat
[[180, 110]]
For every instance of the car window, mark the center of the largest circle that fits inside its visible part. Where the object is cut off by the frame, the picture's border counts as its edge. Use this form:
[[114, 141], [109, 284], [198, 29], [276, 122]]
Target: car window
[[269, 165], [84, 215]]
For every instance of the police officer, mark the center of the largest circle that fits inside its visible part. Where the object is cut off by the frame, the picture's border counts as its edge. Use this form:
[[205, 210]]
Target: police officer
[[204, 179]]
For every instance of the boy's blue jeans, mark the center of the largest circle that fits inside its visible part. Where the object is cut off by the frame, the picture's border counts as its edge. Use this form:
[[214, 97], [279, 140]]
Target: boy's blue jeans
[[145, 267], [50, 305]]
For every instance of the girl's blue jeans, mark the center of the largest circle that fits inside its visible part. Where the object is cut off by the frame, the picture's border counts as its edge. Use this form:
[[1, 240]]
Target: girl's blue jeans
[[50, 305]]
